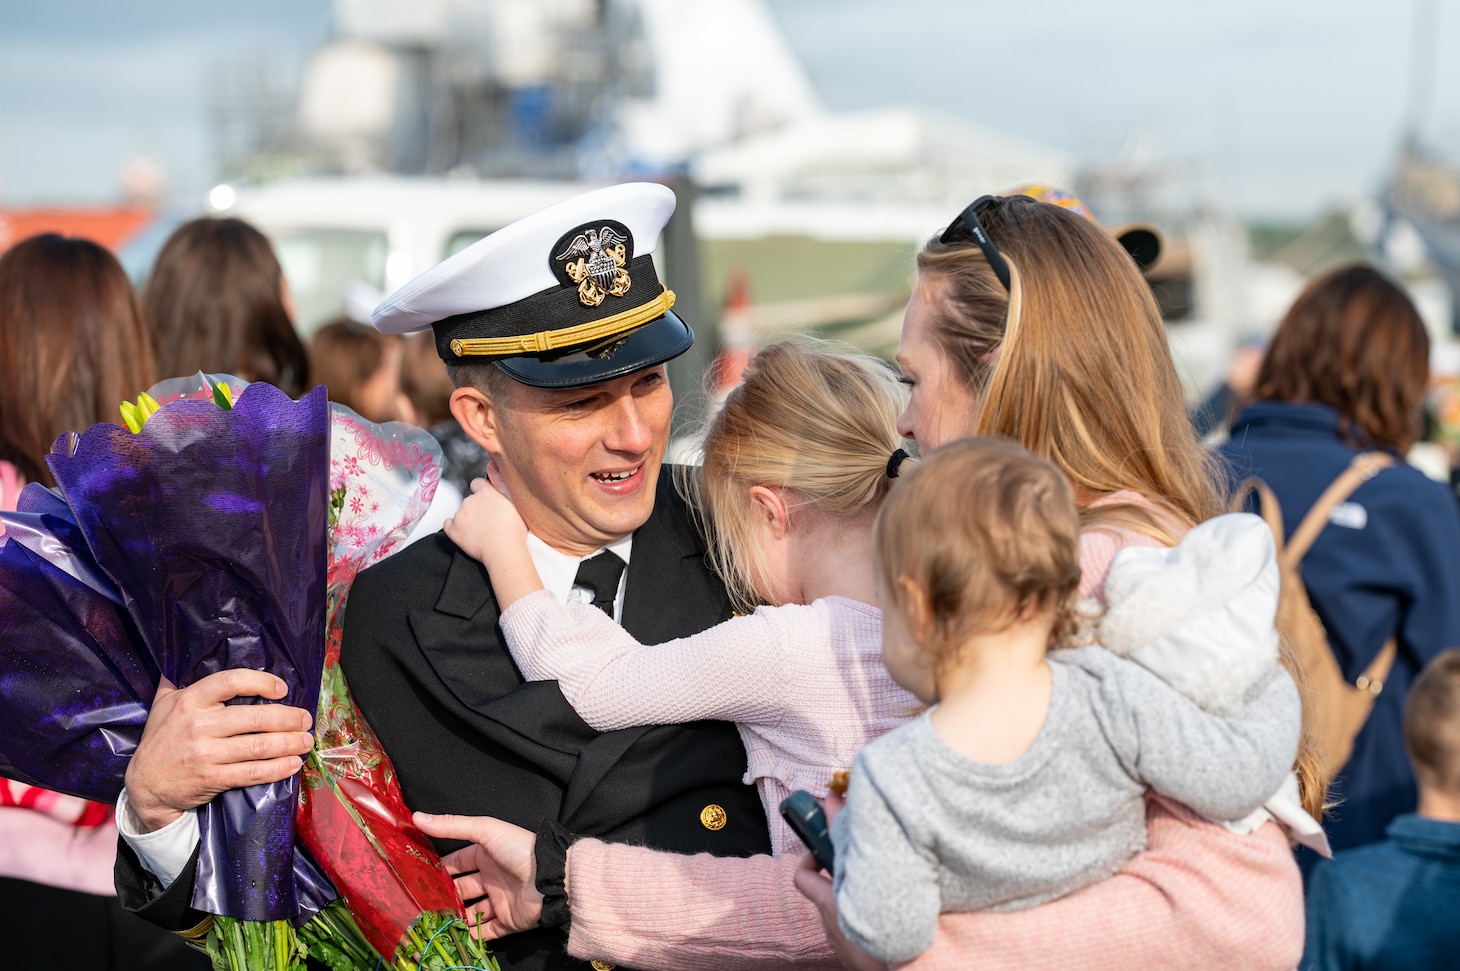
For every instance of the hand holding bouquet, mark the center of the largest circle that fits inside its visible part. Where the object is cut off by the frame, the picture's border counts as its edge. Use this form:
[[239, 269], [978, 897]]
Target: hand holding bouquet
[[221, 530]]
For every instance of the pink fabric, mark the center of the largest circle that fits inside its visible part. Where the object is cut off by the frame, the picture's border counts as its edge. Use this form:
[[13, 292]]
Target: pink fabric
[[65, 809], [1199, 897], [10, 485], [1098, 546], [804, 684], [644, 909], [46, 837], [36, 847]]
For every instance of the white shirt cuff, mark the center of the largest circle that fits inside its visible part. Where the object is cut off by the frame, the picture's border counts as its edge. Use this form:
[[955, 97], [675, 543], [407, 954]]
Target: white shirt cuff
[[165, 851]]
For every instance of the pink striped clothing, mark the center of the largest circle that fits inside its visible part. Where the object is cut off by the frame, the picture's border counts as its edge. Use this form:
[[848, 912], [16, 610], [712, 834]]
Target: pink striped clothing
[[46, 837], [1199, 897]]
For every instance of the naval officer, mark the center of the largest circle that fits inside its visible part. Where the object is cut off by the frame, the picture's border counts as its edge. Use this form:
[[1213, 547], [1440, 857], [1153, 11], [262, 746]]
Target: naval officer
[[556, 331]]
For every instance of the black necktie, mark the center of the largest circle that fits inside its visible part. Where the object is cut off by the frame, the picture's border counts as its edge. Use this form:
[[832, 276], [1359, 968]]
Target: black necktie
[[601, 574]]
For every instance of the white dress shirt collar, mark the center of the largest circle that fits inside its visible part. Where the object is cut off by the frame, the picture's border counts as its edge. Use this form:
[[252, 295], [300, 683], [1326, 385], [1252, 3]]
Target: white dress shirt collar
[[559, 570]]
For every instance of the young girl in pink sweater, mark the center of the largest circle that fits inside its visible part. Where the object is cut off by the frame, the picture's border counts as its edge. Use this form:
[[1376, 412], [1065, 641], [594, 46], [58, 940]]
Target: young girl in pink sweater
[[796, 465]]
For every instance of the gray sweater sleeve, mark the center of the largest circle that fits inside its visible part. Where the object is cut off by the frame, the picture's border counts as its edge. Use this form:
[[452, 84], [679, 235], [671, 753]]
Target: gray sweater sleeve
[[887, 891], [1221, 767]]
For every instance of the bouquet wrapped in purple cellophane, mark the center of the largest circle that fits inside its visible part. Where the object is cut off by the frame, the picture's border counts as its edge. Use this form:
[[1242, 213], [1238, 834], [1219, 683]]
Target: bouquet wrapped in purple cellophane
[[211, 536], [173, 515], [76, 682]]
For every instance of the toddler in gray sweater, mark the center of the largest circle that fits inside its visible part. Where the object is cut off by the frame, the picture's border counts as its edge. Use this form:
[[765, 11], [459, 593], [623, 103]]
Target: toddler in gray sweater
[[1026, 779]]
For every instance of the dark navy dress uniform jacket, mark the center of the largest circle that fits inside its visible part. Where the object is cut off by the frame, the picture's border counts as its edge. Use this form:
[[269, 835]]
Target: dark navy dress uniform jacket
[[1388, 563]]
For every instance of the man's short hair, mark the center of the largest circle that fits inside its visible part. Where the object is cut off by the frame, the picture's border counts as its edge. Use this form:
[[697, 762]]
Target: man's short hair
[[1432, 723], [486, 377]]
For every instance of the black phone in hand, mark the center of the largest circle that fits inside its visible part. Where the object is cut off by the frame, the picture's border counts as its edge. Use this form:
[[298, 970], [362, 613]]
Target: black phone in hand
[[805, 816]]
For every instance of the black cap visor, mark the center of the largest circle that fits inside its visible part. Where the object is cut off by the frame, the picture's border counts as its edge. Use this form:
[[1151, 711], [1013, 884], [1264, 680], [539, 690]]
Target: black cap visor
[[662, 339]]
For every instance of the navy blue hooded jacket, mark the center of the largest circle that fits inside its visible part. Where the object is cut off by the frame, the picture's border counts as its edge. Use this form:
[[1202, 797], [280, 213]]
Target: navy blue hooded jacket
[[1388, 563]]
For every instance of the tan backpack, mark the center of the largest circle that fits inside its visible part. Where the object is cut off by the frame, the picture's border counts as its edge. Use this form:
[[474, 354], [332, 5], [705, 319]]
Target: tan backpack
[[1334, 711]]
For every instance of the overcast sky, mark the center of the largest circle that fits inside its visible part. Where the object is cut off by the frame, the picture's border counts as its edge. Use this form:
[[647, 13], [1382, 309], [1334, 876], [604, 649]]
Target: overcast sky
[[1283, 107]]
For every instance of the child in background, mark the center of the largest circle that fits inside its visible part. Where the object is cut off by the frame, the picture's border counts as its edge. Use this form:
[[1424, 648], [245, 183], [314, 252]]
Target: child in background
[[428, 387], [796, 465], [360, 368], [1025, 781], [1396, 904]]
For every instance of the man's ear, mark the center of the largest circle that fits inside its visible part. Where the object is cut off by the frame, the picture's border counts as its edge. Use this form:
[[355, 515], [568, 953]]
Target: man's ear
[[479, 418], [771, 505]]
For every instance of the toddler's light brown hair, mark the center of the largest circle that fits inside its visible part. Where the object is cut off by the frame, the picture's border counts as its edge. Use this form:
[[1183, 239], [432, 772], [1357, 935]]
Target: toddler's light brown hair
[[989, 534]]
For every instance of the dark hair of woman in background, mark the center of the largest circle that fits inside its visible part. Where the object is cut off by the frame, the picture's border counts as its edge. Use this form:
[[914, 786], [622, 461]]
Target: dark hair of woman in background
[[427, 386], [74, 347], [1354, 342], [215, 301], [1346, 373], [360, 368], [73, 343]]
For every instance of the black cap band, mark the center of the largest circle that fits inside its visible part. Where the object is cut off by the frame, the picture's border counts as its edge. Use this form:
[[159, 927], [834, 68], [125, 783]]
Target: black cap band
[[556, 308]]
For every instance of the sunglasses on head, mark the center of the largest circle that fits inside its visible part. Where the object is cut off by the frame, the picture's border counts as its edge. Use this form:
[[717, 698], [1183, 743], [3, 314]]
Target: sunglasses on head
[[967, 227]]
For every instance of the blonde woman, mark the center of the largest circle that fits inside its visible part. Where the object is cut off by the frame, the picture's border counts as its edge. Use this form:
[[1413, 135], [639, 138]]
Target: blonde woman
[[796, 465], [1028, 321]]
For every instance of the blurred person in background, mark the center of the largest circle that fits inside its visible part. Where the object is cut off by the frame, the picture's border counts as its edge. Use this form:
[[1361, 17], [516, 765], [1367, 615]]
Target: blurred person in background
[[217, 302], [75, 347], [1217, 410], [1396, 904], [428, 388], [360, 368], [426, 392], [1345, 374]]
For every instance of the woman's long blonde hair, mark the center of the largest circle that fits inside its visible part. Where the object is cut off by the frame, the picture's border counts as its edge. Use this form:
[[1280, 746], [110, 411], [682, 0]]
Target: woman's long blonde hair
[[1072, 362], [808, 418], [1083, 376]]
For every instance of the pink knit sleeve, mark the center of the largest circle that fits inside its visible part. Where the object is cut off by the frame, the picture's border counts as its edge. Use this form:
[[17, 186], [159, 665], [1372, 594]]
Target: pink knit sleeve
[[638, 907], [1199, 897], [735, 671]]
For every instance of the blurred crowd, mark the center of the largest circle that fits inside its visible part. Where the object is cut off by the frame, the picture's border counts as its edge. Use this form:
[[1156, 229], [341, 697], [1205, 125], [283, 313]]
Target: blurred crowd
[[1347, 371]]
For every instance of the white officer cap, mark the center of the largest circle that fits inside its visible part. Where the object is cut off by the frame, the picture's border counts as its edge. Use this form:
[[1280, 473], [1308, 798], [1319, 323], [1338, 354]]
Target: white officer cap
[[565, 297]]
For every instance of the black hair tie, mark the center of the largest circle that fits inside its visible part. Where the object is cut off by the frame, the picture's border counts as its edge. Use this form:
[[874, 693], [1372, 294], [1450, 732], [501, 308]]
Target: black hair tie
[[895, 462]]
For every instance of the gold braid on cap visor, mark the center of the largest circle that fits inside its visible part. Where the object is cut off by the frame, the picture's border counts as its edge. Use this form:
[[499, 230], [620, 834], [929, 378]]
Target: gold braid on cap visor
[[551, 340]]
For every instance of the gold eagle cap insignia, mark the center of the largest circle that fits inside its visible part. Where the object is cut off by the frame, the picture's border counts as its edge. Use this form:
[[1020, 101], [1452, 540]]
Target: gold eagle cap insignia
[[595, 260]]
